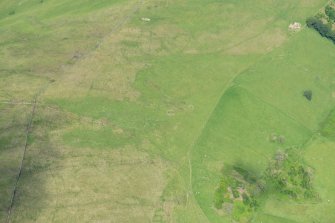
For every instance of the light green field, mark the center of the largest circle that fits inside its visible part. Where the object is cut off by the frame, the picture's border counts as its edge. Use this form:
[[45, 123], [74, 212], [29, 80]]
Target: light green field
[[135, 120]]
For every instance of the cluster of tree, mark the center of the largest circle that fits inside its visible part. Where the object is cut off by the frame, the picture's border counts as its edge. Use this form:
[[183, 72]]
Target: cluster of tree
[[330, 12], [239, 189], [325, 30], [288, 174]]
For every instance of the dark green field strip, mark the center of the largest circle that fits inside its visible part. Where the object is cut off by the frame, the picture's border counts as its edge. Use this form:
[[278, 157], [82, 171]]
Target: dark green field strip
[[328, 126], [263, 218]]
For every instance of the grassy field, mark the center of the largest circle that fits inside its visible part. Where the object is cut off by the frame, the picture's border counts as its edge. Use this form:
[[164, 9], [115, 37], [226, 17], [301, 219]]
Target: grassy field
[[135, 120]]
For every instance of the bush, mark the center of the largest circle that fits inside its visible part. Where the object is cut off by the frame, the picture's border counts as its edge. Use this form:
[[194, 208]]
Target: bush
[[330, 12], [219, 196], [239, 189], [11, 12], [241, 212], [291, 176], [308, 95], [325, 30]]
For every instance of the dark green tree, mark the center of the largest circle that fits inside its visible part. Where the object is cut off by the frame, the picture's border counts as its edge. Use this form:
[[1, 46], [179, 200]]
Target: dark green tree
[[330, 12], [308, 94]]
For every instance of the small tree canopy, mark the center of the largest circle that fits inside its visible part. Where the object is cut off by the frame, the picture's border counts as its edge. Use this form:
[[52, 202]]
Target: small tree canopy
[[325, 30], [330, 12], [308, 94]]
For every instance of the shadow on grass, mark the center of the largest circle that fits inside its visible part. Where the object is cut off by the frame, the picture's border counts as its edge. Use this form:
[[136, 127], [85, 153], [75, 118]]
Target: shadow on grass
[[31, 195]]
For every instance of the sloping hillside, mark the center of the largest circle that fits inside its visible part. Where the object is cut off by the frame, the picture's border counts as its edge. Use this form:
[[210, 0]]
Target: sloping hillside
[[136, 110]]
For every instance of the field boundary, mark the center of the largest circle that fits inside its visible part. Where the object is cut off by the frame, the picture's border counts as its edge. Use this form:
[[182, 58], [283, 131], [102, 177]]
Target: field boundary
[[34, 104], [27, 132]]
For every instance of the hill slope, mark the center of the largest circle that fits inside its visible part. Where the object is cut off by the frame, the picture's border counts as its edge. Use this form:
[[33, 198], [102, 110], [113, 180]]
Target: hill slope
[[128, 110]]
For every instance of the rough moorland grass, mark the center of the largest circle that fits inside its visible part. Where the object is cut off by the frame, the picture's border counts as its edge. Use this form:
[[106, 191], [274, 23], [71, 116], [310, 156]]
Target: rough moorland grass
[[27, 38], [31, 50], [13, 121], [164, 86], [71, 184], [34, 51]]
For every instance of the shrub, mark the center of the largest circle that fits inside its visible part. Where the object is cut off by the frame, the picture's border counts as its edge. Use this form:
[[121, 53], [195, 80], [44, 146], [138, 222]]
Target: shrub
[[219, 196], [308, 94], [325, 30], [239, 189], [291, 176], [330, 12]]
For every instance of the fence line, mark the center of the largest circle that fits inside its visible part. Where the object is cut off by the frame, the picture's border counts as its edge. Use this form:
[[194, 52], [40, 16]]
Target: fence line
[[28, 128]]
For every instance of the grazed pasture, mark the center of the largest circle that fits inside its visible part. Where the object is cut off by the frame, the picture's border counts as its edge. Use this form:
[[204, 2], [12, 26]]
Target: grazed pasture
[[136, 119]]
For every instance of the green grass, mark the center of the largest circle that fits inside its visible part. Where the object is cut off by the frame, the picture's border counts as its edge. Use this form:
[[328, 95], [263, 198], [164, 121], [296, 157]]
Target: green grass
[[140, 128], [48, 9], [125, 115], [319, 155], [266, 100], [13, 123], [328, 127], [281, 78], [238, 134], [104, 138]]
